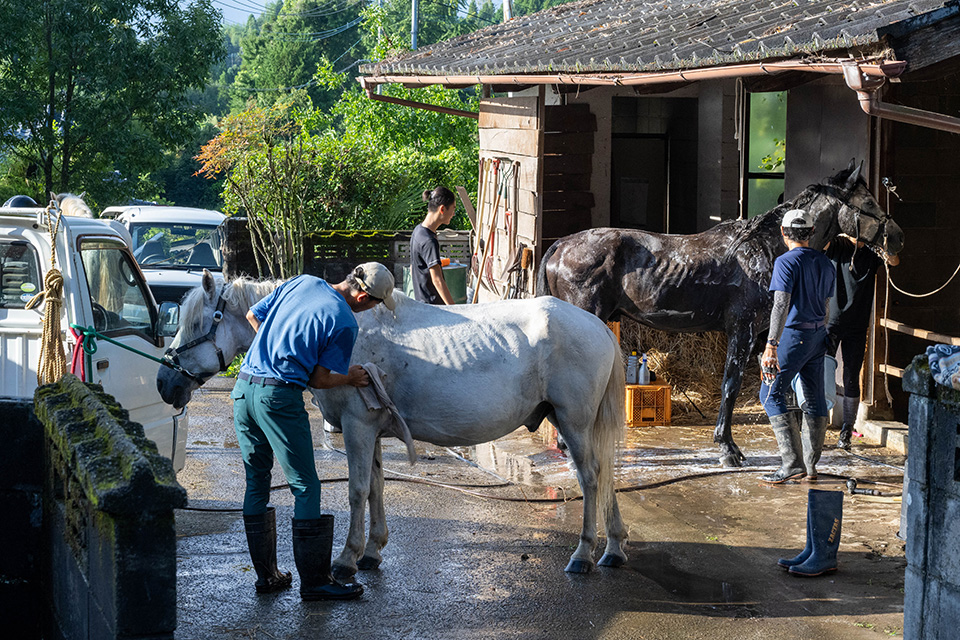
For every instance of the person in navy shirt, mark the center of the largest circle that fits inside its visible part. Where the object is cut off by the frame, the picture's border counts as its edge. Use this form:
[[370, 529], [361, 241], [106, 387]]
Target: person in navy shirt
[[802, 284], [305, 332]]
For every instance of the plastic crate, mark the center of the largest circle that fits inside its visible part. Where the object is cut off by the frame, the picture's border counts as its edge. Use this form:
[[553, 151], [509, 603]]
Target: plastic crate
[[648, 404]]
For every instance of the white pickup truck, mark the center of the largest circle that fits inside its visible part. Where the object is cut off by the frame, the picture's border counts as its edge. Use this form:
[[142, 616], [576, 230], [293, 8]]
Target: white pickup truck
[[103, 287]]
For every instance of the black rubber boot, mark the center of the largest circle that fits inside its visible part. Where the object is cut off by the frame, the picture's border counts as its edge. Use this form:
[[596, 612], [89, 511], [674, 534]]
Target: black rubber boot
[[787, 430], [262, 541], [312, 546], [786, 563], [812, 436], [826, 517], [846, 433]]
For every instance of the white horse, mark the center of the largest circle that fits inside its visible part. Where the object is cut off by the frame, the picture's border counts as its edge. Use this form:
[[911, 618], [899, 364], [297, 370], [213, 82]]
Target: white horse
[[459, 375]]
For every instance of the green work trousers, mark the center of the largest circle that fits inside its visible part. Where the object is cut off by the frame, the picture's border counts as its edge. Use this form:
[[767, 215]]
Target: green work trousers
[[272, 420]]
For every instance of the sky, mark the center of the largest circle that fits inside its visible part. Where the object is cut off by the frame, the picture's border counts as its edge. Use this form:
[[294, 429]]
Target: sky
[[237, 11]]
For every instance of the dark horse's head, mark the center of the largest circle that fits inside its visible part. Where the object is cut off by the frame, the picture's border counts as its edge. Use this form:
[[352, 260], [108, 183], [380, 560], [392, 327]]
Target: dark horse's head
[[844, 204]]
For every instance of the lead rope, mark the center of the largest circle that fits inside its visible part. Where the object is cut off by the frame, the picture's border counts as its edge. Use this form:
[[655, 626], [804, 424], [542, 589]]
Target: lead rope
[[53, 360]]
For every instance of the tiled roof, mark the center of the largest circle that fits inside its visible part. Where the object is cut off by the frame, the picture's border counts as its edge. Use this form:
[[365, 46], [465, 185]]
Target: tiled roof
[[610, 36]]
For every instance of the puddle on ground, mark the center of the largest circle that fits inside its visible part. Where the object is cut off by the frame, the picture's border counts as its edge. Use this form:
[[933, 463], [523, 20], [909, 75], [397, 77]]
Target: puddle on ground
[[690, 587]]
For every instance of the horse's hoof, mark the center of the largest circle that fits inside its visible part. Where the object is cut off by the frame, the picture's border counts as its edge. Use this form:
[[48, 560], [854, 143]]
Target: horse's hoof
[[730, 461], [366, 563], [341, 574], [579, 566], [611, 560]]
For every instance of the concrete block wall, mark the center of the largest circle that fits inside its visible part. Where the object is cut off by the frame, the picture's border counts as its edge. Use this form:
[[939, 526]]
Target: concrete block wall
[[109, 541], [932, 585]]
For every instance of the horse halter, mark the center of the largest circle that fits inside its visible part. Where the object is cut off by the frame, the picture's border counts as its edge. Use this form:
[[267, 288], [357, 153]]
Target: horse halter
[[857, 213], [173, 355]]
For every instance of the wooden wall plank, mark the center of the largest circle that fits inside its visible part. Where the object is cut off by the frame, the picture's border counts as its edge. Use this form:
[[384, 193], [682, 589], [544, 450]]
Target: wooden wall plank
[[557, 143], [572, 117], [515, 142], [508, 113], [566, 182], [554, 200], [568, 163]]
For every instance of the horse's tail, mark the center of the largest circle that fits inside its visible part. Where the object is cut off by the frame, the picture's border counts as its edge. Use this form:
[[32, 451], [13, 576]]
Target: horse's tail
[[543, 287], [608, 430]]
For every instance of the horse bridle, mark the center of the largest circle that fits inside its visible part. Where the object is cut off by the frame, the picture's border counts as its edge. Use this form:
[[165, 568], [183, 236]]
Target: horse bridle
[[857, 212], [172, 355]]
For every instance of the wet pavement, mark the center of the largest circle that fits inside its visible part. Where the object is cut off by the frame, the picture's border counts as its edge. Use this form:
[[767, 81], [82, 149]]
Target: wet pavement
[[484, 560]]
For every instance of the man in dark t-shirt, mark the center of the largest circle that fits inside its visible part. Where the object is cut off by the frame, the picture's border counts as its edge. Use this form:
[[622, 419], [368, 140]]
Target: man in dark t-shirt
[[425, 267], [802, 282], [850, 312]]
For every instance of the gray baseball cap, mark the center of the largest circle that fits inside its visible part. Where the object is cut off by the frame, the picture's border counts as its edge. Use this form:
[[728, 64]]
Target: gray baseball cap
[[377, 281], [797, 219]]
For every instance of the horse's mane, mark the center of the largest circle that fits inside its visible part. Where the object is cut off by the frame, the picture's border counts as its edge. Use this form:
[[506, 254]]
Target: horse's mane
[[240, 293], [73, 205]]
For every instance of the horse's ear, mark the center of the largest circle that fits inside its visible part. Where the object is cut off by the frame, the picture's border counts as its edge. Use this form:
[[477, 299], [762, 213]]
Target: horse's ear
[[854, 175], [852, 165], [208, 283], [82, 195]]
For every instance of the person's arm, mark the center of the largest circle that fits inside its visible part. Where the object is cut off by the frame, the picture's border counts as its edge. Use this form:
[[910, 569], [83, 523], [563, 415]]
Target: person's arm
[[436, 276], [252, 319], [778, 320], [323, 378]]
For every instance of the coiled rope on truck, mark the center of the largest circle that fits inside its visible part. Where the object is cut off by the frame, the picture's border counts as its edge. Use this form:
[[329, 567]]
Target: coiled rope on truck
[[53, 359]]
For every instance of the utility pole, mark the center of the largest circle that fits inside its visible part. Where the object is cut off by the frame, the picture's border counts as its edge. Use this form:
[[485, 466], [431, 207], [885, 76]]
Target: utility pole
[[507, 10], [414, 19]]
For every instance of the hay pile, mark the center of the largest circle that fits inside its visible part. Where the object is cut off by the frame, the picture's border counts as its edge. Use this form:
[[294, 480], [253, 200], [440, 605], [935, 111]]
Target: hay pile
[[691, 363]]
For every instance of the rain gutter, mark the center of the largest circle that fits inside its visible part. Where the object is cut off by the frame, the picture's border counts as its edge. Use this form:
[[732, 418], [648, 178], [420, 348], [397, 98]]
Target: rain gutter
[[874, 70], [867, 87]]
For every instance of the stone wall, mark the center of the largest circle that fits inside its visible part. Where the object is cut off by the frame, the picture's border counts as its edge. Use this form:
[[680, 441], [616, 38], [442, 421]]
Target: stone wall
[[932, 588], [109, 543], [21, 480]]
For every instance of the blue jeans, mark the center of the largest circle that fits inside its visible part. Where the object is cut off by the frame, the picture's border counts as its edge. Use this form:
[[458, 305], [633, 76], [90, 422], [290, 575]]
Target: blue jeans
[[270, 421], [800, 352]]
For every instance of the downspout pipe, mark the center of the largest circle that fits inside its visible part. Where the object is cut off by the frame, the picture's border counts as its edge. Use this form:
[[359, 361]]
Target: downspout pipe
[[417, 105], [867, 87]]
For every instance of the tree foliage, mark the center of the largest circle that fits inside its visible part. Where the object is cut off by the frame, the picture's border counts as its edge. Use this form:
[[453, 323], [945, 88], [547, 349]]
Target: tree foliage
[[88, 89]]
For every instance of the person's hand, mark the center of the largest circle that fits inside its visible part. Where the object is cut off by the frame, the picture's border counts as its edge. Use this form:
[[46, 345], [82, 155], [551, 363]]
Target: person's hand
[[357, 376], [769, 367]]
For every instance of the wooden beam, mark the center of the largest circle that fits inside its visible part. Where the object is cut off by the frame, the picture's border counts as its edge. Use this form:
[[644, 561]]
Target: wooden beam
[[891, 370], [923, 334]]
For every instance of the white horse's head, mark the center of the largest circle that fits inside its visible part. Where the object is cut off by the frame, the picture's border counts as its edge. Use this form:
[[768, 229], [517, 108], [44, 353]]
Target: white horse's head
[[213, 330], [73, 205]]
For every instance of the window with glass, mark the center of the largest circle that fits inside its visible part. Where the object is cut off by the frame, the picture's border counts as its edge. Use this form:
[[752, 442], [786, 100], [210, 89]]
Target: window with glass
[[117, 292], [176, 246], [19, 273], [766, 151]]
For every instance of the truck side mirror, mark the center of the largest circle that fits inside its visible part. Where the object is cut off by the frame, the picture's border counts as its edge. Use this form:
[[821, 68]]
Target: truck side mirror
[[169, 320]]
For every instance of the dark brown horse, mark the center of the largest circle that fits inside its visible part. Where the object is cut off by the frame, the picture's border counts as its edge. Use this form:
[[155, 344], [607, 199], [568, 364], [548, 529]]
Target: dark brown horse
[[712, 281]]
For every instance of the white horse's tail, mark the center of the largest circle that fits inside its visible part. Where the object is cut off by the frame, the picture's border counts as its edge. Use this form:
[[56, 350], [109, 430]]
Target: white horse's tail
[[608, 431]]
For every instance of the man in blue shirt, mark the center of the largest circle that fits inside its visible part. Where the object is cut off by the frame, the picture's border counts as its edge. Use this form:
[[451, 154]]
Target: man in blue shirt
[[802, 284], [305, 332]]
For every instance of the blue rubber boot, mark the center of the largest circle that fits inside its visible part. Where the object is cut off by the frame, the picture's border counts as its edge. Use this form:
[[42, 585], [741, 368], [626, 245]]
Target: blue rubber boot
[[786, 563], [825, 510]]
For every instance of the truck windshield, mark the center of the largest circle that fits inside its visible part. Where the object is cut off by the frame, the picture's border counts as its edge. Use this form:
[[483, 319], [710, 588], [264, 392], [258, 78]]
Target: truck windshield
[[176, 246], [117, 292], [19, 274]]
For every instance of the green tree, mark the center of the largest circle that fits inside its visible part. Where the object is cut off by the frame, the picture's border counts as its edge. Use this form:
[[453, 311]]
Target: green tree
[[90, 88]]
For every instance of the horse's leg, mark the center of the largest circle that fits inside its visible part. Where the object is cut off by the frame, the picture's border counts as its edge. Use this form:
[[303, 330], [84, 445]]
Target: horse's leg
[[359, 439], [579, 446], [613, 554], [739, 346], [378, 519]]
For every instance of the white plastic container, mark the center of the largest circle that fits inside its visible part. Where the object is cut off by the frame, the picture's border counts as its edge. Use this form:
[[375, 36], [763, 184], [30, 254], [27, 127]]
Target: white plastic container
[[643, 376], [632, 368]]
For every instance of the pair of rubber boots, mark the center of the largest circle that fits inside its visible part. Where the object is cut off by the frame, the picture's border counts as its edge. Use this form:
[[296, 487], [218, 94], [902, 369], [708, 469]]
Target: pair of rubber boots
[[312, 548], [795, 444], [824, 519]]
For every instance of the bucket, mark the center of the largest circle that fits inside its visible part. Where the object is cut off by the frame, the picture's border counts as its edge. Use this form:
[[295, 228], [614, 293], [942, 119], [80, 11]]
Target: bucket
[[829, 384], [455, 276]]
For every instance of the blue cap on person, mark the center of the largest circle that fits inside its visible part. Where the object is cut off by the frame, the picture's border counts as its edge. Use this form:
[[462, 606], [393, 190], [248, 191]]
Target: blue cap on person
[[797, 219], [377, 281]]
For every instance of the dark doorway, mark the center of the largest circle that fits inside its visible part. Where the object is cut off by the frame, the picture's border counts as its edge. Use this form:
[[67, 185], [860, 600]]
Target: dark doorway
[[640, 180]]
